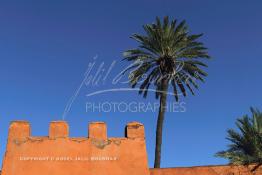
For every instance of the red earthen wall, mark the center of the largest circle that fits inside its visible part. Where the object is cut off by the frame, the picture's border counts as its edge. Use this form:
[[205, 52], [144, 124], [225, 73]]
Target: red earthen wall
[[59, 154], [208, 170]]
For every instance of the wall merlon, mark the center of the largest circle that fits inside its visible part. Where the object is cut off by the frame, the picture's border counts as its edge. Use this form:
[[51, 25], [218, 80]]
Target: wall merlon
[[19, 130], [58, 129], [135, 130], [97, 130]]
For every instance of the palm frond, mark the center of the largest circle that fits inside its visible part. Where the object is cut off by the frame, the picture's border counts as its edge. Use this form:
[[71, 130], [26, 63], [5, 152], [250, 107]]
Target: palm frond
[[246, 145], [164, 46]]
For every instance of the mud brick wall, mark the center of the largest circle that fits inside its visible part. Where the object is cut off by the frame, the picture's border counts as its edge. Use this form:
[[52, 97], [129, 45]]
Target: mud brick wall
[[59, 154], [96, 154], [209, 170]]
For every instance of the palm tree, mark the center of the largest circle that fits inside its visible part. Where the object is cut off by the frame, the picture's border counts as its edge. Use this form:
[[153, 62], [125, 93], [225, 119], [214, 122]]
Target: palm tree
[[246, 146], [167, 54]]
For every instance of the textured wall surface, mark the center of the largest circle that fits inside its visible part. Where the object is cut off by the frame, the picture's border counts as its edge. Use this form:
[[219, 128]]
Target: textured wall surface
[[208, 170], [59, 154]]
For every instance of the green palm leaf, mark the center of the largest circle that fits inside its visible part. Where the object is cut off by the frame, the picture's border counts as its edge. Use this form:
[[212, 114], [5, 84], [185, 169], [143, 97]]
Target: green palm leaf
[[164, 46], [166, 55], [246, 145]]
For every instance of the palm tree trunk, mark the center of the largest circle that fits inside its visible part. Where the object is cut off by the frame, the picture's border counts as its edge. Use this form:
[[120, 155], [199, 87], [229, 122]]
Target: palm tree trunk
[[160, 121]]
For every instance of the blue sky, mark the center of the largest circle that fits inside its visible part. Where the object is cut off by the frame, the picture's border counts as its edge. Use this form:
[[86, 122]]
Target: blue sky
[[46, 46]]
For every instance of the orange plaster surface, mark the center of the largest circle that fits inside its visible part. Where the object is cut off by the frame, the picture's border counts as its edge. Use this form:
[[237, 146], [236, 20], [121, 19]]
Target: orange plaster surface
[[58, 154], [208, 170]]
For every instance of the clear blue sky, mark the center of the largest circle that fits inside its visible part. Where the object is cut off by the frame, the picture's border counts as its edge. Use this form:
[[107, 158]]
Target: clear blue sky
[[46, 46]]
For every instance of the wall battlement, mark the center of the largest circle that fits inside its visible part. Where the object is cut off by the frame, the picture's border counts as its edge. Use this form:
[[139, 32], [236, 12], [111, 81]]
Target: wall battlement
[[60, 129], [58, 153], [96, 154]]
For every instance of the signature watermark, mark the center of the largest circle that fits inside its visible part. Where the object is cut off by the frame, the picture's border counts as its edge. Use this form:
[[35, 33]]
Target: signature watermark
[[68, 158], [102, 77], [133, 106]]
